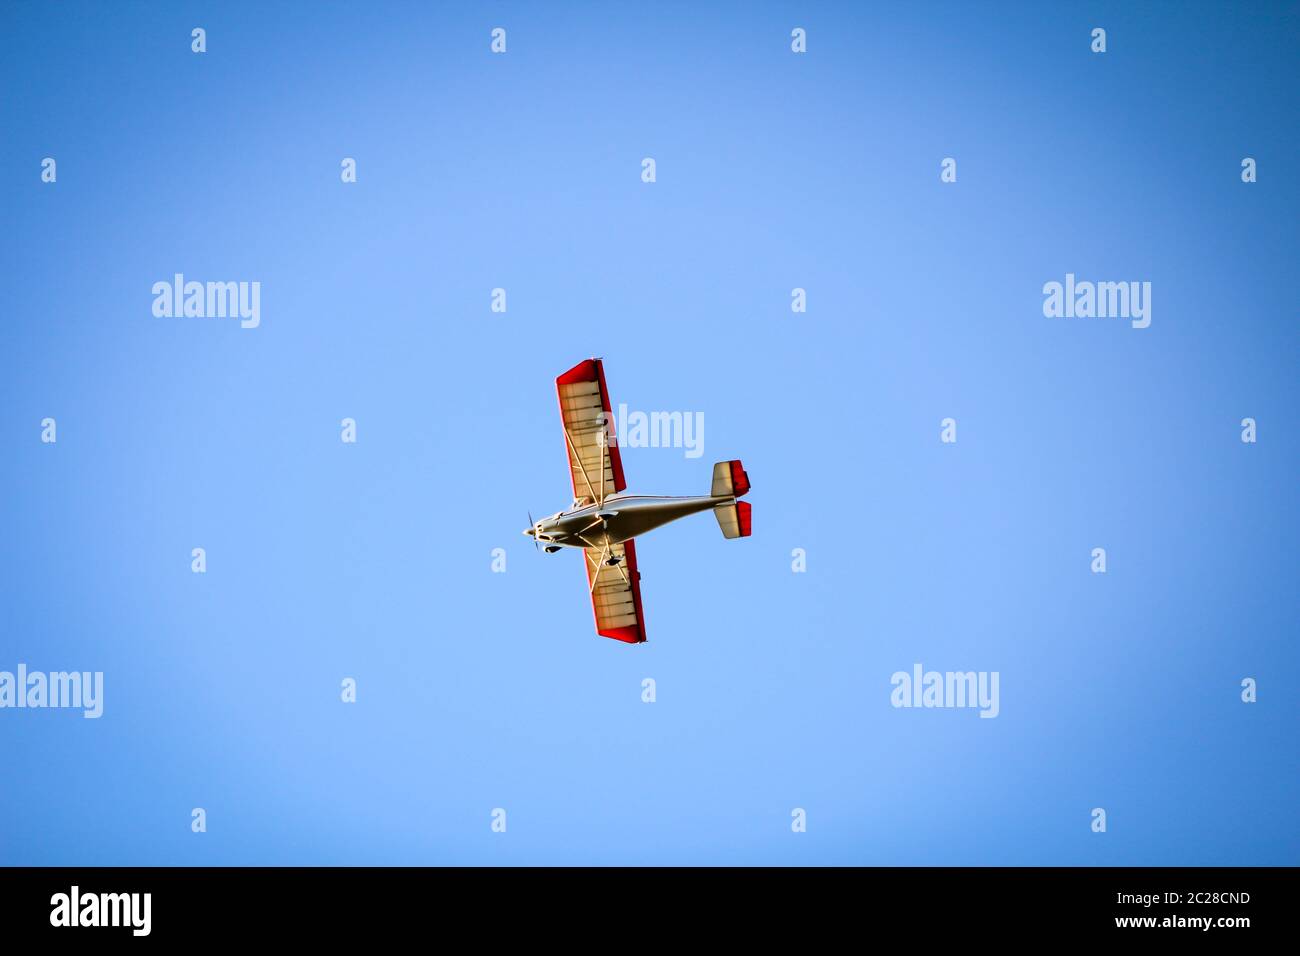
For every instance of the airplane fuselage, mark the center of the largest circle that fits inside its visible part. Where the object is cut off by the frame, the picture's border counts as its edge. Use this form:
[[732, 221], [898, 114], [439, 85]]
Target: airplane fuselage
[[618, 518]]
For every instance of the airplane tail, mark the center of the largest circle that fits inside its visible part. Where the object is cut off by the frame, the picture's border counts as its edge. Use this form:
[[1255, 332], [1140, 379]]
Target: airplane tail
[[730, 480]]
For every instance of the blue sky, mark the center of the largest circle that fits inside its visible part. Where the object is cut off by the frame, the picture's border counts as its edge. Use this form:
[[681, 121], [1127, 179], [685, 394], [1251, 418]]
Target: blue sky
[[774, 171]]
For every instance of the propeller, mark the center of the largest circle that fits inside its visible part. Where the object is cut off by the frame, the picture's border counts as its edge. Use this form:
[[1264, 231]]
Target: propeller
[[533, 524]]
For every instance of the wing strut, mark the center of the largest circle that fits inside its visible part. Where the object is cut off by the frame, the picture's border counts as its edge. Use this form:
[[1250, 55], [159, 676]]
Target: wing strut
[[599, 563], [600, 443], [574, 448]]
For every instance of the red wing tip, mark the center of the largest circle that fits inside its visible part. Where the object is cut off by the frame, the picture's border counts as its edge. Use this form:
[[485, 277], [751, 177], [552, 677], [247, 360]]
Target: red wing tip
[[588, 370], [628, 635]]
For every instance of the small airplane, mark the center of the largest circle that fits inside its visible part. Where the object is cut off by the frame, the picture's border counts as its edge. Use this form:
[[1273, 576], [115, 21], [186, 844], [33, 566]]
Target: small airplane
[[603, 520]]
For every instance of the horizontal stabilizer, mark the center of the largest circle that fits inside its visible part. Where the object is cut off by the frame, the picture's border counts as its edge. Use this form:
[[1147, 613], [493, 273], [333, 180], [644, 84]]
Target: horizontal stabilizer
[[729, 480], [733, 519]]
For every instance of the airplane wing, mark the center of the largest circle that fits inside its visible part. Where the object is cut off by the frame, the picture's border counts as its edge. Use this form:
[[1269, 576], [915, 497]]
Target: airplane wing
[[616, 592], [597, 472], [588, 420]]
